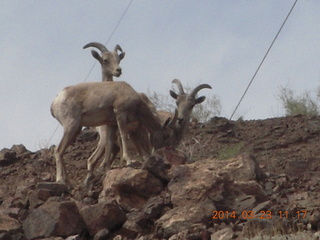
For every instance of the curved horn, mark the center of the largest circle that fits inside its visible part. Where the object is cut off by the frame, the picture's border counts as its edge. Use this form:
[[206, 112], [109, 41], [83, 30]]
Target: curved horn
[[117, 47], [177, 81], [198, 88], [100, 46]]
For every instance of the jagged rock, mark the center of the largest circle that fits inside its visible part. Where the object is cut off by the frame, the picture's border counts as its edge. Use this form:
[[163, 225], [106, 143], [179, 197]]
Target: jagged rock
[[59, 219], [8, 224], [130, 228], [74, 237], [130, 187], [7, 156], [223, 234], [158, 167], [182, 218], [213, 179], [102, 234], [5, 236], [143, 221], [19, 149], [11, 212], [199, 188], [195, 232], [102, 216], [151, 210], [180, 235], [53, 188], [172, 156], [44, 191]]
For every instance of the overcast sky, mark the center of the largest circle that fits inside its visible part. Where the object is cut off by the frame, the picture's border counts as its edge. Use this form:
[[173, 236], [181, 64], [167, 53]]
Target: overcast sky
[[216, 42]]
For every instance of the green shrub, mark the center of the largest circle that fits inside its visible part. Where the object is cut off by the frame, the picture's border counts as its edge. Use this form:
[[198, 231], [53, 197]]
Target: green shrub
[[295, 105]]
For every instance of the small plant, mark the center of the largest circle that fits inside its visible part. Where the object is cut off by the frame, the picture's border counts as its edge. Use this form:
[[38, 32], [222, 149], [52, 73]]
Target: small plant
[[210, 108], [230, 151], [295, 105], [161, 102]]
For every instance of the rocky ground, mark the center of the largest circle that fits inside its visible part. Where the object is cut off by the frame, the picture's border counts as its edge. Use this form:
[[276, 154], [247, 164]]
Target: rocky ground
[[227, 180]]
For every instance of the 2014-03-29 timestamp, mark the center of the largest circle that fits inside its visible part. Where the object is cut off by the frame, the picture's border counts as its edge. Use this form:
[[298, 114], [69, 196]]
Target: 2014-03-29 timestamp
[[301, 214]]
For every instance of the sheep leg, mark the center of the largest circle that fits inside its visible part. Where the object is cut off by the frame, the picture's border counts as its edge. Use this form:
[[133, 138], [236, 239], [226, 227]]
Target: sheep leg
[[70, 133], [109, 148], [102, 148], [106, 163], [93, 159], [121, 121]]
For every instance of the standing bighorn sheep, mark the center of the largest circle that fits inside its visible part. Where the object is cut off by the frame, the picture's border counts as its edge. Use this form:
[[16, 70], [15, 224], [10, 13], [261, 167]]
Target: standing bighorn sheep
[[114, 104], [139, 141]]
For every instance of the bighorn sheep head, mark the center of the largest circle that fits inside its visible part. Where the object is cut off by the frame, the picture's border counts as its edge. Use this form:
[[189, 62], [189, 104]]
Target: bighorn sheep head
[[109, 60], [186, 101]]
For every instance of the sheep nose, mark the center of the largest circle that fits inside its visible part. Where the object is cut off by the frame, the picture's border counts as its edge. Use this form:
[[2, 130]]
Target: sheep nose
[[119, 70], [180, 120]]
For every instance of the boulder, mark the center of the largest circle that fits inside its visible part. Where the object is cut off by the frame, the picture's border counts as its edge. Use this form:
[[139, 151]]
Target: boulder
[[103, 216], [143, 220], [182, 218], [45, 190], [209, 185], [53, 219], [218, 180], [8, 224], [130, 187]]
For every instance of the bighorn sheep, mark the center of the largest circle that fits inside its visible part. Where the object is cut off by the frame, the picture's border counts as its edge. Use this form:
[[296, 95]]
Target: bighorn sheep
[[114, 104], [143, 134], [185, 103]]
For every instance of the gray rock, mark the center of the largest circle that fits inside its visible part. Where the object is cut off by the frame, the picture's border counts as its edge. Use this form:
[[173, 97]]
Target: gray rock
[[103, 216], [59, 219]]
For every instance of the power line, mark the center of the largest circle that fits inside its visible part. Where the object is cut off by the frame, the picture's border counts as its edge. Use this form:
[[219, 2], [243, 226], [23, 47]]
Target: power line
[[114, 30], [275, 38], [87, 76]]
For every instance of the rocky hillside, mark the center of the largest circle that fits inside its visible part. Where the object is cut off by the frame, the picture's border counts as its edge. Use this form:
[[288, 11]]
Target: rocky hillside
[[227, 180]]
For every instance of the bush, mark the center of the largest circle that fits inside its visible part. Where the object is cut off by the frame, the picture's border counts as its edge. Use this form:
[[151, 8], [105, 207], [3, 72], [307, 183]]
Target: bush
[[295, 105]]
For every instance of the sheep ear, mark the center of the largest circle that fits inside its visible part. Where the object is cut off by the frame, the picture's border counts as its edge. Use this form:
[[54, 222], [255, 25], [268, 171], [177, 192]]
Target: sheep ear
[[200, 99], [121, 55], [96, 56], [173, 94]]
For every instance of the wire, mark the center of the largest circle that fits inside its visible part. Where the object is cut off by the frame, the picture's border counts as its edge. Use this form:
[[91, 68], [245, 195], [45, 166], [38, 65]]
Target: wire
[[275, 38], [87, 76], [114, 30]]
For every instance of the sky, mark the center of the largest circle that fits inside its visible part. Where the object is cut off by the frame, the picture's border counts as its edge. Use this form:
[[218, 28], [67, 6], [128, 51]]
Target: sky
[[217, 42]]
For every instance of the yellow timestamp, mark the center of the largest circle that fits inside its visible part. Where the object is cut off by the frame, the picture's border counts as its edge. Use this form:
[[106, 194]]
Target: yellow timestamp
[[261, 214]]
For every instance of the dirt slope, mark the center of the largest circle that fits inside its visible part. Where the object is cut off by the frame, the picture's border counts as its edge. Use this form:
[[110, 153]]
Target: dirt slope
[[286, 149]]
